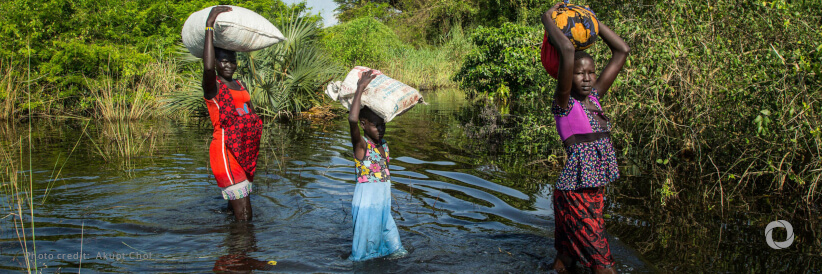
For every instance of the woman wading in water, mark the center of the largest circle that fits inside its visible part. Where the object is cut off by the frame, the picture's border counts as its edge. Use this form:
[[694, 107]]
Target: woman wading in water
[[237, 128]]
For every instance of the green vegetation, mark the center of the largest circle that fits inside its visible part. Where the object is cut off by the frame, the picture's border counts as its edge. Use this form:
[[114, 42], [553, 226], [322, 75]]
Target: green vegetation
[[68, 48], [718, 104], [369, 42], [115, 100], [722, 94], [738, 111], [10, 91], [361, 41], [505, 62]]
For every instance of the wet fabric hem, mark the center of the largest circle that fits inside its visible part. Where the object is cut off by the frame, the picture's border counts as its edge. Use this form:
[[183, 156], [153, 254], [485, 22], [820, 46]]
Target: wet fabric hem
[[237, 191]]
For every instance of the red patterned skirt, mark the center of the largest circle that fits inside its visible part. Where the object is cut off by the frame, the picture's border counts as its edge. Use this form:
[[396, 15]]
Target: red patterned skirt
[[580, 229]]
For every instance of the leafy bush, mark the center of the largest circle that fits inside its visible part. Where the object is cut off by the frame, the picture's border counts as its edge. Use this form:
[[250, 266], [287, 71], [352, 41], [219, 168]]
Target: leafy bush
[[426, 22], [381, 11], [504, 62]]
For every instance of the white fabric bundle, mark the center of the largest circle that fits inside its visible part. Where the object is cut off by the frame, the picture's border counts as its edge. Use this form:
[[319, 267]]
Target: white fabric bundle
[[385, 96], [238, 30]]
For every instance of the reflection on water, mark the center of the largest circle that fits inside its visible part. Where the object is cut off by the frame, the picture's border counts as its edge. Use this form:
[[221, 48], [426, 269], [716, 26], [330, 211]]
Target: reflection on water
[[692, 235], [457, 209], [239, 242]]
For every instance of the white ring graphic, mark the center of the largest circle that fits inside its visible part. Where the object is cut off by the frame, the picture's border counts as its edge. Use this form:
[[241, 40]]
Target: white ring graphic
[[769, 234]]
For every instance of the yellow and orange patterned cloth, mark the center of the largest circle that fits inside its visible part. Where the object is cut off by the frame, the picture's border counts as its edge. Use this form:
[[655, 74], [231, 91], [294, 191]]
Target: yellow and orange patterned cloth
[[579, 24]]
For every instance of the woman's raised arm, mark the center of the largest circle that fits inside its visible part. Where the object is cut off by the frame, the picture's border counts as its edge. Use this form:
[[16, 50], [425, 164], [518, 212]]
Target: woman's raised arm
[[566, 57], [619, 53], [209, 84], [354, 114]]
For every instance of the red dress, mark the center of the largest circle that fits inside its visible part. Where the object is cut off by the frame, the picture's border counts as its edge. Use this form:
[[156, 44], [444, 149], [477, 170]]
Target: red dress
[[235, 146]]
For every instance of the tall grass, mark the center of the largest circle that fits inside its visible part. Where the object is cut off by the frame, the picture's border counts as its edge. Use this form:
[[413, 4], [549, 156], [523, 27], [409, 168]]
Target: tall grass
[[10, 91], [17, 199], [123, 142], [135, 99], [368, 42], [423, 68], [119, 104], [430, 67]]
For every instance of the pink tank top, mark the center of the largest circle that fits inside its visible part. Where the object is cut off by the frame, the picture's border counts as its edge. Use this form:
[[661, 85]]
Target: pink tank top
[[577, 121]]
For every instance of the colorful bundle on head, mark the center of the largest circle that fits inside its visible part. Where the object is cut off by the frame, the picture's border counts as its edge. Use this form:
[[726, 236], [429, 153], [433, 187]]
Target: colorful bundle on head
[[578, 23]]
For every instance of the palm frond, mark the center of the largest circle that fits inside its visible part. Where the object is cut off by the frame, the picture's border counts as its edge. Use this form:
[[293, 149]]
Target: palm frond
[[288, 75]]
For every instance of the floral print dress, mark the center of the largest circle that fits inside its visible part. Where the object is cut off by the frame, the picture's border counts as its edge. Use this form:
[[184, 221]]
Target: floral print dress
[[375, 232], [373, 168]]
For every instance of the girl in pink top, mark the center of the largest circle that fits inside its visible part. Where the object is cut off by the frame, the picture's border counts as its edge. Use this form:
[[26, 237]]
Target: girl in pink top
[[591, 163]]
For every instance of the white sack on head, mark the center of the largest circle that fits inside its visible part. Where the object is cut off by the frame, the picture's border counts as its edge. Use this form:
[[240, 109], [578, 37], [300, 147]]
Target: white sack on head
[[387, 97], [238, 30]]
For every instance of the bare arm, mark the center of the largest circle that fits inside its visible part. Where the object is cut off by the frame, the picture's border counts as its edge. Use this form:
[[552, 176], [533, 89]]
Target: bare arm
[[354, 115], [566, 57], [619, 53], [209, 84]]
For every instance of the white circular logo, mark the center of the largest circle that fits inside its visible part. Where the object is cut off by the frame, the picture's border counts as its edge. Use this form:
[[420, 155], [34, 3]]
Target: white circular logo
[[769, 234]]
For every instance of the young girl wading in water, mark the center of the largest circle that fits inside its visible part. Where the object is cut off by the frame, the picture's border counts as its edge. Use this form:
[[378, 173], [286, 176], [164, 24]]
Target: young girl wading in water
[[591, 162], [237, 128], [375, 233]]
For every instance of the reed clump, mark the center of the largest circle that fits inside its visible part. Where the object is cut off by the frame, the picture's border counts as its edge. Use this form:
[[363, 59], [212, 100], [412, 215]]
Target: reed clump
[[10, 92], [428, 67], [135, 99]]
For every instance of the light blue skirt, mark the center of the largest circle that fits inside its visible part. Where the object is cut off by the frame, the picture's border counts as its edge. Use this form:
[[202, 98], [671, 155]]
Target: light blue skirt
[[375, 233]]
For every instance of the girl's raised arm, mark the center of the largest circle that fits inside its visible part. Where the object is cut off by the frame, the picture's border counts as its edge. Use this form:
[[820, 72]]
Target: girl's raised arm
[[566, 57], [354, 114], [619, 53], [209, 84]]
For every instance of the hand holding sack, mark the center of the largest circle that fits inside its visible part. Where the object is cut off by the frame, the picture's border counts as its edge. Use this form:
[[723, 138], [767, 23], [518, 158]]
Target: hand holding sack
[[237, 30], [387, 97], [579, 24]]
